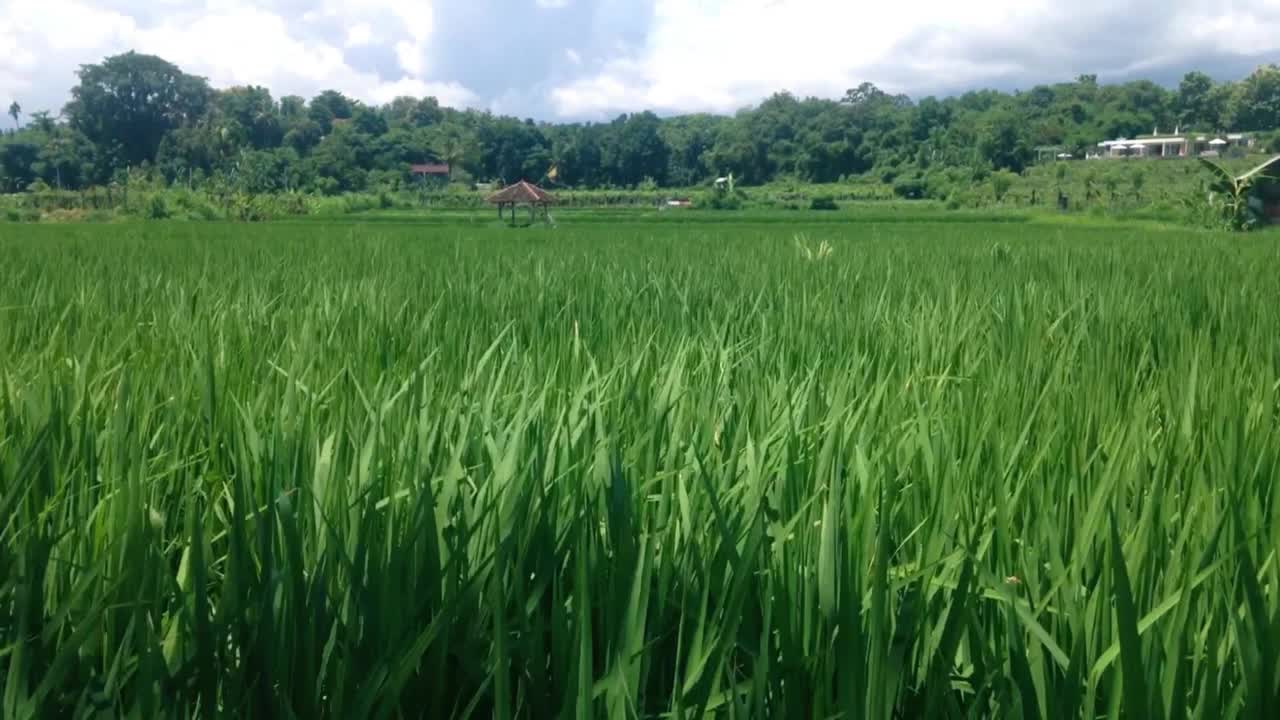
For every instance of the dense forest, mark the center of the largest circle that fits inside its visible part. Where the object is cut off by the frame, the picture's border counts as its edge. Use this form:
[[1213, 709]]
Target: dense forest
[[135, 113]]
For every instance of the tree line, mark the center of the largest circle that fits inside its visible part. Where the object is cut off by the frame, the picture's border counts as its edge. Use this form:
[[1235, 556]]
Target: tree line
[[140, 113]]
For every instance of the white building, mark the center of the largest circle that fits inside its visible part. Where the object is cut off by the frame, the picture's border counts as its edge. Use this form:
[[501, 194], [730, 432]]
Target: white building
[[1171, 146]]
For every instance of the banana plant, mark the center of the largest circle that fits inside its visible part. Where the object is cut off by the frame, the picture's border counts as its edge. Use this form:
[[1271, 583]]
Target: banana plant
[[1229, 195]]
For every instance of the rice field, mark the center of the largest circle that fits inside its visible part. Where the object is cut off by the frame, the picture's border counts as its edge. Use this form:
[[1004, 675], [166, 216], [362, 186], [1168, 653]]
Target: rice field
[[756, 470]]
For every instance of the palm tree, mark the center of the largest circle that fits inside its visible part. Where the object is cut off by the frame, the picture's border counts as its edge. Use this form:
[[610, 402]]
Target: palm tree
[[15, 112]]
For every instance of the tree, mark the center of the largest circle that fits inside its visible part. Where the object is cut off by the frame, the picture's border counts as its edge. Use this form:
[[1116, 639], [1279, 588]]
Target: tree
[[1258, 102], [457, 145], [125, 104], [17, 158], [335, 164], [66, 159], [512, 150], [1003, 142], [635, 150], [267, 171], [15, 112], [864, 94], [292, 107], [427, 112], [1194, 101], [328, 106], [42, 121], [368, 121], [251, 115], [303, 135]]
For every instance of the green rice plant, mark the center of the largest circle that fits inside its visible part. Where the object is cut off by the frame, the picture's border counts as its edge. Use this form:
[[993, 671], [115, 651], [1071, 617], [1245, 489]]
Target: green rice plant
[[641, 470]]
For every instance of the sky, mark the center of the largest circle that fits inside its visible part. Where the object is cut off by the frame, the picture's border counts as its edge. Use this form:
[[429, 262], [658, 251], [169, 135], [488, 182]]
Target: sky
[[594, 59]]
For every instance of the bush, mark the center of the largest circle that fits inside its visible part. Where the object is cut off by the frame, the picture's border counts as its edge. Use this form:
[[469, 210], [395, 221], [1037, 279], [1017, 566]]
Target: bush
[[363, 202], [725, 201], [823, 202], [1001, 183], [156, 208], [292, 204], [909, 187]]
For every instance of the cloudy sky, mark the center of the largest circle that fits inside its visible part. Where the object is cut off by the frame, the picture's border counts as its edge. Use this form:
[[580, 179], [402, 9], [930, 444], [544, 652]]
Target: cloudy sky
[[561, 59]]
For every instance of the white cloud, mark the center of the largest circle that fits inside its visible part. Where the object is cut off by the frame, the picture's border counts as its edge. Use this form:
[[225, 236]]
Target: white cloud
[[720, 55], [590, 58], [448, 93], [35, 34], [359, 35], [232, 42], [410, 57]]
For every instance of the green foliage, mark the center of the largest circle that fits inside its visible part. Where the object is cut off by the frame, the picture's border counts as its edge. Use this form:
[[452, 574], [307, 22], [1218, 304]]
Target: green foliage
[[1001, 183], [823, 202], [157, 208], [638, 470], [127, 103], [724, 201], [142, 113], [911, 187], [1226, 198]]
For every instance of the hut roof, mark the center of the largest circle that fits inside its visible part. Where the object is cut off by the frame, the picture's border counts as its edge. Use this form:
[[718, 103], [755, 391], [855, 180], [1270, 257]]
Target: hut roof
[[521, 192], [1272, 164]]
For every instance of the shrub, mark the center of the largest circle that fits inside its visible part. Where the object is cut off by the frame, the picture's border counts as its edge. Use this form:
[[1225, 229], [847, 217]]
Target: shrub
[[724, 201], [823, 202], [156, 208], [910, 187], [1001, 183]]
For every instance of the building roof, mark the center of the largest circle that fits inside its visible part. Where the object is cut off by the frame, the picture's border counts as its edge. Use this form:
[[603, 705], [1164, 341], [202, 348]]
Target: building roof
[[1174, 139], [429, 169], [1263, 168], [521, 192]]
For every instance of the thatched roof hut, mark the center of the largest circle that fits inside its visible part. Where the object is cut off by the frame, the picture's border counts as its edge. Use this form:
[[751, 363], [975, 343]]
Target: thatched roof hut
[[522, 193]]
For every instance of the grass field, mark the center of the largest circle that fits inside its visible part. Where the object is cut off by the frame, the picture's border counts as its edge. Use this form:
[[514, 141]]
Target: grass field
[[649, 469]]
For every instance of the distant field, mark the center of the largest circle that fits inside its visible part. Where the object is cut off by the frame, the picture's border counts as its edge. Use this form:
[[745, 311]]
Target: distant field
[[632, 466]]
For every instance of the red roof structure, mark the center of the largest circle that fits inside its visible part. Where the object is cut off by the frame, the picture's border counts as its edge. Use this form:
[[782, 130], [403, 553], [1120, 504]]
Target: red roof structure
[[521, 193], [429, 169]]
